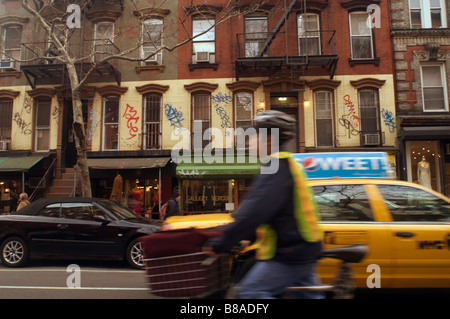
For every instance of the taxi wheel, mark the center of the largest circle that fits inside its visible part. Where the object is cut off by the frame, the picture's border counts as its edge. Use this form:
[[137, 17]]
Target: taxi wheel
[[14, 252], [135, 254]]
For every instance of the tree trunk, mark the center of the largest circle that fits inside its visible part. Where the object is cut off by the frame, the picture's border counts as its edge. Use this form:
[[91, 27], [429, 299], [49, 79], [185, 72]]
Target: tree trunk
[[79, 131]]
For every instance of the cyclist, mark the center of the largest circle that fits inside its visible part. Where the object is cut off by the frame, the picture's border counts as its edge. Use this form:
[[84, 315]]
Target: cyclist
[[280, 208]]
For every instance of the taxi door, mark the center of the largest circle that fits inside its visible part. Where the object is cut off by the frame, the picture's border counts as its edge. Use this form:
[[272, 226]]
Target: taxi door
[[349, 215], [420, 236]]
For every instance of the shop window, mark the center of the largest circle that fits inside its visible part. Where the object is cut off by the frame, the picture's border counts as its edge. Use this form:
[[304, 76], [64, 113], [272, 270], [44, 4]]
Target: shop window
[[255, 29], [434, 88], [423, 163], [207, 196], [323, 102], [416, 205], [360, 36], [111, 122], [201, 110], [308, 34], [343, 203], [204, 42], [368, 118], [42, 132], [427, 14], [152, 129], [152, 31], [9, 195], [6, 107]]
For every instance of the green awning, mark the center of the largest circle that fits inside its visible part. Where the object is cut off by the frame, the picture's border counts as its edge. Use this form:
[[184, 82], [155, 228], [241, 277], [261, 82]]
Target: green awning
[[127, 163], [18, 164], [205, 170]]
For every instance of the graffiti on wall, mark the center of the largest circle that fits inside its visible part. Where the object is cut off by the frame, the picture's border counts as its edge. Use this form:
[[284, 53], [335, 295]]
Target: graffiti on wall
[[389, 120], [132, 120], [220, 100], [175, 118], [350, 121], [25, 128], [94, 124]]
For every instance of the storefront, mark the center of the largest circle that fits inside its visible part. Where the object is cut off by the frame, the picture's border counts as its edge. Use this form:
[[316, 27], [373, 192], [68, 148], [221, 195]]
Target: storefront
[[141, 184], [426, 159], [18, 174], [207, 187]]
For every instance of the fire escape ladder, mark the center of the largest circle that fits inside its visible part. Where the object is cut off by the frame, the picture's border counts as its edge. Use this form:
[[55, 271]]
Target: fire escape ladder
[[277, 28]]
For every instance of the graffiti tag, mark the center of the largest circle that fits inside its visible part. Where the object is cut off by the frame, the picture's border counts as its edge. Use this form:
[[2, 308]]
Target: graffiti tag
[[132, 120]]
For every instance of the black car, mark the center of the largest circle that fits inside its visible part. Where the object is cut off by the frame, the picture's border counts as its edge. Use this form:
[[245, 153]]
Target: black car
[[73, 227]]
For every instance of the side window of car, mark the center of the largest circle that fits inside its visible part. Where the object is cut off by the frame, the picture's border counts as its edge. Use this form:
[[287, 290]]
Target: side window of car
[[343, 203], [52, 210], [81, 211], [412, 204]]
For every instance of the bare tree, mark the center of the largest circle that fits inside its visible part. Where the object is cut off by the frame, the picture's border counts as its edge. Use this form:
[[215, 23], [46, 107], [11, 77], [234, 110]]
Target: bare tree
[[60, 34]]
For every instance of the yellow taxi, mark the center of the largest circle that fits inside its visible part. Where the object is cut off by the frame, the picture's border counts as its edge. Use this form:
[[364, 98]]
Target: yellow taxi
[[405, 225]]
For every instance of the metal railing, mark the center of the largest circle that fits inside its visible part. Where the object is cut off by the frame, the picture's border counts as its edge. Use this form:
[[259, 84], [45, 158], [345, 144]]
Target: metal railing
[[45, 182]]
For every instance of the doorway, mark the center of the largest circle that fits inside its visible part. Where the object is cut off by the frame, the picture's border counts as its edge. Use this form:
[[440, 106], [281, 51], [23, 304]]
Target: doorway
[[287, 102], [69, 151]]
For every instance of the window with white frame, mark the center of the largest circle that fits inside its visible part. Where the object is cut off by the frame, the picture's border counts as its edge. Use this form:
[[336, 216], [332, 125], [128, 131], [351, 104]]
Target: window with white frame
[[204, 42], [427, 14], [308, 34], [103, 39], [201, 115], [360, 36], [152, 31], [434, 87], [323, 107], [111, 122], [11, 41], [243, 109], [6, 109], [152, 129], [255, 28], [42, 132]]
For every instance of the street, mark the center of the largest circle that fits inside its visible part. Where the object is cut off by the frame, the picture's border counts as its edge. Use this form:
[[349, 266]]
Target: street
[[49, 280]]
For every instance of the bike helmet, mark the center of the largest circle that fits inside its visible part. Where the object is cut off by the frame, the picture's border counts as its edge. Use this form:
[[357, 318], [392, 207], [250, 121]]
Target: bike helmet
[[277, 119]]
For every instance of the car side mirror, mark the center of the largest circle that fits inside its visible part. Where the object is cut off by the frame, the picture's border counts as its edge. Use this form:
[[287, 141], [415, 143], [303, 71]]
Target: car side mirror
[[102, 219]]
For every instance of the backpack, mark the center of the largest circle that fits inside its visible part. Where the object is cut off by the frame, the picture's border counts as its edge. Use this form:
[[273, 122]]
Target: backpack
[[162, 212]]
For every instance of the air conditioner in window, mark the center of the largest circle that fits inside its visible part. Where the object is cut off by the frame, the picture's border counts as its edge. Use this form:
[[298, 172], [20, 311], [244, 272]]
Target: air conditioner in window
[[201, 57], [4, 145], [7, 64], [372, 139], [155, 58]]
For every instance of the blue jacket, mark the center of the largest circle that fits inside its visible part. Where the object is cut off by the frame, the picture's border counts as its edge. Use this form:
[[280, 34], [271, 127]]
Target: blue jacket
[[270, 201]]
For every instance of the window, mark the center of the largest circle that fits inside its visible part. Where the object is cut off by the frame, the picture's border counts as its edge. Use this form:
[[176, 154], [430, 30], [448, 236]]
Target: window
[[111, 123], [368, 118], [152, 129], [103, 40], [360, 36], [308, 34], [343, 203], [255, 35], [6, 107], [243, 108], [201, 110], [414, 205], [43, 125], [213, 195], [204, 43], [152, 31], [434, 88], [427, 14], [323, 102], [81, 211], [11, 39], [52, 210]]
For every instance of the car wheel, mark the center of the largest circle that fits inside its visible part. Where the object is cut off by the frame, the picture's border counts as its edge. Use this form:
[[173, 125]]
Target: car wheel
[[135, 254], [14, 252]]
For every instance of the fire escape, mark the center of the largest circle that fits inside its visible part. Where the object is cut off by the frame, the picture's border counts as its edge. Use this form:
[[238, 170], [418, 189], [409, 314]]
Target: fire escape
[[286, 53]]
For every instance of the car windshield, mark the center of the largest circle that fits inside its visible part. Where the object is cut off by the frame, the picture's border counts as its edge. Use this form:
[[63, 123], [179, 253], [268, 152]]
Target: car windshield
[[119, 211]]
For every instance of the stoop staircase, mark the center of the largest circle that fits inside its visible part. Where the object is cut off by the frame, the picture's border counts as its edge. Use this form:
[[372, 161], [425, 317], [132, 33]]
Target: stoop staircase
[[67, 186]]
